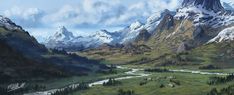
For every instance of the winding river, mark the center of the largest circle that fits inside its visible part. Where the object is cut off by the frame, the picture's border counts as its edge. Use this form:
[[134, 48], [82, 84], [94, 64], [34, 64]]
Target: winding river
[[133, 73]]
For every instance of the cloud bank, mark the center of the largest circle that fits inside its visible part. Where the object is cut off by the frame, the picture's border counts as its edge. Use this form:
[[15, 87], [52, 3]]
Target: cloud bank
[[30, 17], [91, 13]]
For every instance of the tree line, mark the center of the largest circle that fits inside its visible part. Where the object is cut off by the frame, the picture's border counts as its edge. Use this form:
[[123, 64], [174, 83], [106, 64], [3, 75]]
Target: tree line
[[224, 91], [69, 90], [112, 82], [219, 80], [126, 92]]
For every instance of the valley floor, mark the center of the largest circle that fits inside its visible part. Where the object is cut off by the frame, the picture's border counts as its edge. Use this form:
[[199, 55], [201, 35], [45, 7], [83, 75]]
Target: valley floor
[[179, 82], [189, 84]]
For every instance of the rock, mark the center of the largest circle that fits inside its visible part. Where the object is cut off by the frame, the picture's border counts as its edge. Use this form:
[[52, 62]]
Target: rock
[[183, 47], [171, 85], [214, 5], [144, 35]]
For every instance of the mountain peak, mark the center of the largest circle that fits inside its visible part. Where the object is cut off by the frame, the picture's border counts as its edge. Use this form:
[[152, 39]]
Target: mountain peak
[[135, 25], [62, 34], [214, 5], [62, 29], [8, 24]]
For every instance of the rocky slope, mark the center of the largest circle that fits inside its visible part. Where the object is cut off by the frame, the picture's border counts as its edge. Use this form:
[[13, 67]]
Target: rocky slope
[[225, 35], [195, 23]]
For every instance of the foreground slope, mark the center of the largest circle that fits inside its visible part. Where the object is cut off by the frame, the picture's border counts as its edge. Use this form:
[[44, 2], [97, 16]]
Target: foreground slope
[[24, 58]]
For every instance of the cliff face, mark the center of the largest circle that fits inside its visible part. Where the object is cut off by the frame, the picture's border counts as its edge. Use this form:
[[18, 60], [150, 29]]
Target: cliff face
[[214, 5]]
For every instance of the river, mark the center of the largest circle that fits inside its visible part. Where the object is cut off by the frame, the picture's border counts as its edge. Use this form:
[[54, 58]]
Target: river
[[133, 73]]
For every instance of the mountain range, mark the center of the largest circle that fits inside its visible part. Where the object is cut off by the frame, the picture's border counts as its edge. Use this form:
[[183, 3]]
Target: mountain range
[[64, 39], [196, 31], [196, 23], [198, 16]]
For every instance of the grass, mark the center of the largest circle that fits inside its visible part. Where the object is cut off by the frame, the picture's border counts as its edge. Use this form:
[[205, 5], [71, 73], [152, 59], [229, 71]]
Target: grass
[[190, 84], [62, 82]]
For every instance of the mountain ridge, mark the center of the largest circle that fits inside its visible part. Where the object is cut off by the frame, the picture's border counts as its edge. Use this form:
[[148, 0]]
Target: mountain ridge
[[123, 36]]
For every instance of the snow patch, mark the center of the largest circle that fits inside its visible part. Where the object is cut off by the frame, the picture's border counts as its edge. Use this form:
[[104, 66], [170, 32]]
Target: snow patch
[[201, 16], [224, 35], [7, 23]]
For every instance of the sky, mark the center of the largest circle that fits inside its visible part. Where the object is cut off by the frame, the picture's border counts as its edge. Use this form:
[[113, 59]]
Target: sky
[[42, 17]]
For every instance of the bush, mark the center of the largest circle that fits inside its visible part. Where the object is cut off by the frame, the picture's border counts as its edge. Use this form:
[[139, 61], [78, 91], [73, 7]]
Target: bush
[[209, 67], [224, 91], [161, 86], [111, 82], [127, 92], [156, 70], [218, 80], [68, 90]]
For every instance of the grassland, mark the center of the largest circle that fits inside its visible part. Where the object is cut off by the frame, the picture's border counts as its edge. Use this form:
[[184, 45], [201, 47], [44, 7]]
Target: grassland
[[190, 84], [217, 54]]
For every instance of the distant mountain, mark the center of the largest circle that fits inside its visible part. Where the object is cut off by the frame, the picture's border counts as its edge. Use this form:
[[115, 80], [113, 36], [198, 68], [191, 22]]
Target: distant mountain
[[195, 23], [127, 35], [62, 35], [71, 43]]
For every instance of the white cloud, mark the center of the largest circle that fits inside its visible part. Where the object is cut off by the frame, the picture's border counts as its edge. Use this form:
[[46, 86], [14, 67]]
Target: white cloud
[[92, 13], [30, 17], [103, 13]]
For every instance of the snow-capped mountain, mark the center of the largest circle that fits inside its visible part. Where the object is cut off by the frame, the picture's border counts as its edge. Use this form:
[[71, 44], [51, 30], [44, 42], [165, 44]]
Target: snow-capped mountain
[[195, 23], [104, 36], [62, 34], [210, 13], [130, 33], [63, 39], [205, 12], [155, 19], [211, 5]]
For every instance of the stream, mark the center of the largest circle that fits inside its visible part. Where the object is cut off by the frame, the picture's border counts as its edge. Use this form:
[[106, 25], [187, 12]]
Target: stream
[[133, 73]]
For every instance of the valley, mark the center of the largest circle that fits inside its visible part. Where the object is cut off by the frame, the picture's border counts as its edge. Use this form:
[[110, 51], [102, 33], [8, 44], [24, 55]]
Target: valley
[[187, 50], [136, 79]]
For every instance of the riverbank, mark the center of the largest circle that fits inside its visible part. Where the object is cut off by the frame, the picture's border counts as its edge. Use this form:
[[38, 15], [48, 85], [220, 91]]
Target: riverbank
[[133, 73]]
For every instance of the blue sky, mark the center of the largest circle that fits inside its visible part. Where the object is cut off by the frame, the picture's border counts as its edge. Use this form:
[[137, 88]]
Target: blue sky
[[42, 17]]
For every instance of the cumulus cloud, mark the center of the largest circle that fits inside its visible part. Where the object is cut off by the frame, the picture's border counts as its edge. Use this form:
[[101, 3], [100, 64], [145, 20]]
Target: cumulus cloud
[[103, 13], [30, 17], [91, 13]]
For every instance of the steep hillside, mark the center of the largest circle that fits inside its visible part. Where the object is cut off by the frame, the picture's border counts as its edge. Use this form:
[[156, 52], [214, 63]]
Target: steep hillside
[[15, 68], [23, 57]]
